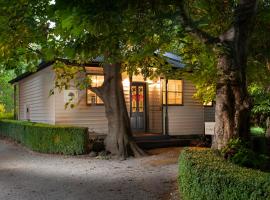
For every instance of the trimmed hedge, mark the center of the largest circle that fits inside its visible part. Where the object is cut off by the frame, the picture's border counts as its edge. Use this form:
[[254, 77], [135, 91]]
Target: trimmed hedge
[[205, 176], [46, 138]]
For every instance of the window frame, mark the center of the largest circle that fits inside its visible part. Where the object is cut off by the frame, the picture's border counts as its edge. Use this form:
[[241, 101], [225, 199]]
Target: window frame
[[91, 104], [164, 92]]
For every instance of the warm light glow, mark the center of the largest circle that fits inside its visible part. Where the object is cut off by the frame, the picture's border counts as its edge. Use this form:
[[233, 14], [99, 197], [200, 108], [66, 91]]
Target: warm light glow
[[154, 83], [126, 82], [149, 81]]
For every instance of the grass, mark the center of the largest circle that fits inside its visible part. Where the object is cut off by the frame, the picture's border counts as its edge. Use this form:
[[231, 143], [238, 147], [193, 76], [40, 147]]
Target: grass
[[257, 131]]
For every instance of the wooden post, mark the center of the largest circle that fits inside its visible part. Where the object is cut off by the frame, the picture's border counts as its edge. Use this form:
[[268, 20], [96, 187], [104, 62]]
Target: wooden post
[[130, 96], [166, 107], [15, 101]]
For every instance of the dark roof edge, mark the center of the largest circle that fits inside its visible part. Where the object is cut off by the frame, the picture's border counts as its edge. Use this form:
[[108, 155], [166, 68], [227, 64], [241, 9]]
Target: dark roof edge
[[44, 65], [40, 67]]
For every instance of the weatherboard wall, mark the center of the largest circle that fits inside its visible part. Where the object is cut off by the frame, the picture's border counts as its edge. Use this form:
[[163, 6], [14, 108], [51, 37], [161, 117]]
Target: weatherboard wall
[[82, 115], [186, 119], [34, 95], [93, 116]]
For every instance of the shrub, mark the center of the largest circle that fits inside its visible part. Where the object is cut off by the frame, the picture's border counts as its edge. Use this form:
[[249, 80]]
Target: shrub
[[203, 175], [46, 138], [257, 131], [240, 153], [6, 115], [2, 108]]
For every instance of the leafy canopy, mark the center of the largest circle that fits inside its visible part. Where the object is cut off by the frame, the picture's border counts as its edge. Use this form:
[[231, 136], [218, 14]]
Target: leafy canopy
[[129, 32], [6, 92], [215, 18]]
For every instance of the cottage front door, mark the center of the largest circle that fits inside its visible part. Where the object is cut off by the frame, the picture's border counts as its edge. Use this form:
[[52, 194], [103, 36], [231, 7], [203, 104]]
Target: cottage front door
[[138, 106]]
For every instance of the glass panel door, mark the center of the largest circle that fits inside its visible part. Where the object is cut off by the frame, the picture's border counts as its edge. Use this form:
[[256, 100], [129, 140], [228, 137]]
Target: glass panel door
[[138, 106]]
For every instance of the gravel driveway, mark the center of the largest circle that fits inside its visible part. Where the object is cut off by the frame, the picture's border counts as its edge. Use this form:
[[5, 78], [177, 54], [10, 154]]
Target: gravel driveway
[[25, 175]]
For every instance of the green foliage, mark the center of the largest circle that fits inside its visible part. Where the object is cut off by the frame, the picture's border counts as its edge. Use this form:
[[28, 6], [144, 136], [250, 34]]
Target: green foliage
[[257, 131], [89, 29], [2, 108], [200, 62], [24, 30], [203, 175], [80, 31], [261, 100], [46, 138], [261, 103], [215, 18], [239, 153], [4, 115], [259, 55], [6, 91]]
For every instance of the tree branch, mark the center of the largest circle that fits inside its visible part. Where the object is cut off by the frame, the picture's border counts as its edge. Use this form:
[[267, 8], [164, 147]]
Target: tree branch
[[36, 51], [243, 16], [97, 90], [189, 26]]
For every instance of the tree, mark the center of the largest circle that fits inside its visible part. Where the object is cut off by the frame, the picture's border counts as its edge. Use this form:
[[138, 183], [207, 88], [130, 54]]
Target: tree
[[261, 104], [82, 31], [226, 27], [6, 92]]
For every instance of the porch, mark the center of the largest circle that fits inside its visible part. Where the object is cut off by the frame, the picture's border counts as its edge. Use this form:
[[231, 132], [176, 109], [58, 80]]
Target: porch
[[150, 141], [147, 100]]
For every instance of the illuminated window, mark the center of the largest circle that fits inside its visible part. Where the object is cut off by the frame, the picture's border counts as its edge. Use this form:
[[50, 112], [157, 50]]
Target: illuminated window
[[210, 103], [175, 92], [96, 81]]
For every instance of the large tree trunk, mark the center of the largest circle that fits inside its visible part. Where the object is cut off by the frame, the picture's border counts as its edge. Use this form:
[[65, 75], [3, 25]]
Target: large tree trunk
[[232, 99], [119, 140], [232, 103]]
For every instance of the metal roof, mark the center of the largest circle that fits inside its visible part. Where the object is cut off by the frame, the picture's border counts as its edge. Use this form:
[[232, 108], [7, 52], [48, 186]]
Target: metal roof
[[174, 60], [171, 58]]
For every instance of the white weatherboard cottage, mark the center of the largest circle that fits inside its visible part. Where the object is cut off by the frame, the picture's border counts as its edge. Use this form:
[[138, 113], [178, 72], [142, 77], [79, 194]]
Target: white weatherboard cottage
[[159, 106]]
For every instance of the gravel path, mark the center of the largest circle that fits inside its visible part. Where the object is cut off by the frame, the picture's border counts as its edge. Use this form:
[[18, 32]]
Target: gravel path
[[25, 175]]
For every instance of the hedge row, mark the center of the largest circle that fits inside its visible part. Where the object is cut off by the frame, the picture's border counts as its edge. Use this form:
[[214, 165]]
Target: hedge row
[[46, 138], [205, 176]]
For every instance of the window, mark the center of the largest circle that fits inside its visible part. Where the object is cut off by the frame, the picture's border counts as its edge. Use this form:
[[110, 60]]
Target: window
[[209, 104], [96, 81], [175, 92]]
